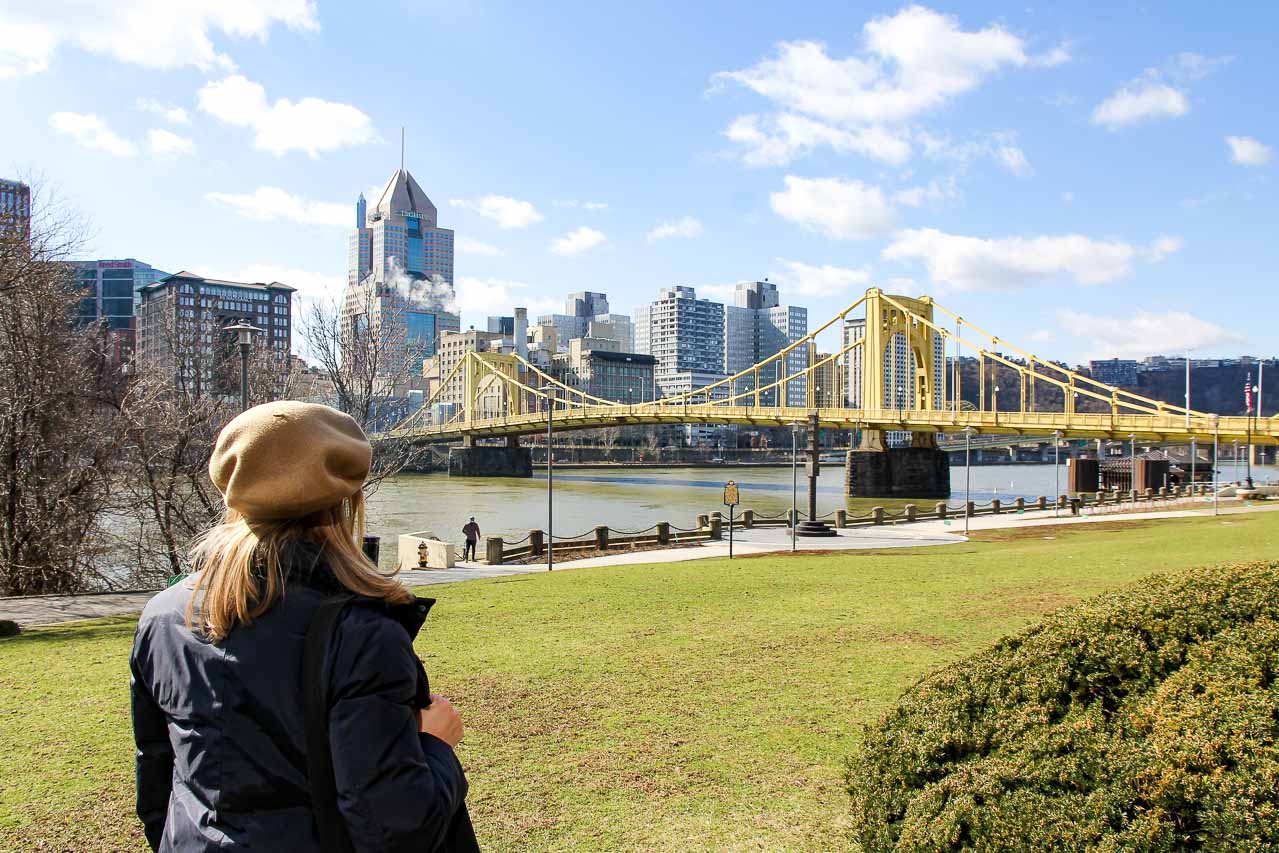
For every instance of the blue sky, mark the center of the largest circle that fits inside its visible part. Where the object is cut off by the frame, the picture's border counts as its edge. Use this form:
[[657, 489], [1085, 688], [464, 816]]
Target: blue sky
[[1082, 183]]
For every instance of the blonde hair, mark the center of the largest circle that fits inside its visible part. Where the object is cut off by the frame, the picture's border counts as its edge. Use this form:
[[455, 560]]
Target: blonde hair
[[235, 557]]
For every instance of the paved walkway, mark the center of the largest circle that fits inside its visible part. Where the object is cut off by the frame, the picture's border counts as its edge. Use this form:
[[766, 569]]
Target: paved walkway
[[51, 609]]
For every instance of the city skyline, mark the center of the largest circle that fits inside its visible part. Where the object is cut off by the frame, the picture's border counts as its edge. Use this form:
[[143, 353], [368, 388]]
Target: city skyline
[[1091, 192]]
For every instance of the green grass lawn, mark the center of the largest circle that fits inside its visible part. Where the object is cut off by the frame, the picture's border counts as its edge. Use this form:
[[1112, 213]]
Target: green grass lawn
[[707, 705]]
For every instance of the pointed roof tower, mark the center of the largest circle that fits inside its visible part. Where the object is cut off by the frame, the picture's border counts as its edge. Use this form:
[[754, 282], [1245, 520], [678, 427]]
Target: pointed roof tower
[[403, 193]]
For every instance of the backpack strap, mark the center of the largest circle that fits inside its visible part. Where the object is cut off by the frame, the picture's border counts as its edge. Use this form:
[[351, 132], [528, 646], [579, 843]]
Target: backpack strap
[[315, 711]]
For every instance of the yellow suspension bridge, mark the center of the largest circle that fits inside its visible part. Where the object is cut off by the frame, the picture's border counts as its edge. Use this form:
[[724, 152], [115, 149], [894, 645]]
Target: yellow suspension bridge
[[919, 389]]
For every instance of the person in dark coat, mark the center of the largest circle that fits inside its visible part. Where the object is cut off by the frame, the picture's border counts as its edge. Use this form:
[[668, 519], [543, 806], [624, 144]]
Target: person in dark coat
[[217, 687]]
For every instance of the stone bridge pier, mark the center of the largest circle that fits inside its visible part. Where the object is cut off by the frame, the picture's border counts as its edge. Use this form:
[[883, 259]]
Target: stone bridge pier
[[488, 460], [874, 470]]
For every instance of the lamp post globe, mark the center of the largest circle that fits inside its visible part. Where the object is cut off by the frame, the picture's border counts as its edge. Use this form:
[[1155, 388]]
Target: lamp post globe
[[244, 334]]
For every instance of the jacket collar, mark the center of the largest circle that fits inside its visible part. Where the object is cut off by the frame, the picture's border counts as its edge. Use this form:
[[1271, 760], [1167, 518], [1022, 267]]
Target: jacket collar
[[308, 567]]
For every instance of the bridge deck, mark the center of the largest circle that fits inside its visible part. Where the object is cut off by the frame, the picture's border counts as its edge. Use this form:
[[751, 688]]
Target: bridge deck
[[1170, 427]]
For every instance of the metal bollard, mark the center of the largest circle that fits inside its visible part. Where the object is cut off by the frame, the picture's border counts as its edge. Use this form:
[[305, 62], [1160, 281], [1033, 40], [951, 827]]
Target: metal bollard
[[601, 537], [996, 507], [841, 519], [663, 532]]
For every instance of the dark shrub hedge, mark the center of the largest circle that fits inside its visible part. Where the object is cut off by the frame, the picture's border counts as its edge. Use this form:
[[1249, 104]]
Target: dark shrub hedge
[[1145, 719]]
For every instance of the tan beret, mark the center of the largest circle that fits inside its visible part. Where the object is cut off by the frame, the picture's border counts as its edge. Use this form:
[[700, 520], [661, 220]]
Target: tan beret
[[289, 459]]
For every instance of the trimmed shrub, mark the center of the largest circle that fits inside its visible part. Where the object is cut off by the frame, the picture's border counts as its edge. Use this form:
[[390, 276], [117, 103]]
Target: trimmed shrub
[[9, 628], [1145, 719]]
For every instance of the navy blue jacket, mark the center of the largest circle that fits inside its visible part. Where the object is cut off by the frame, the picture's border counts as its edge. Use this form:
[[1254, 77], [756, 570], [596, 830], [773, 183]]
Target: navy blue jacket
[[221, 743]]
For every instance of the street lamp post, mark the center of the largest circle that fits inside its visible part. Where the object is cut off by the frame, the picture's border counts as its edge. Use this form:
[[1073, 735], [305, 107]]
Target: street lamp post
[[1132, 461], [550, 480], [1248, 421], [1057, 473], [794, 483], [1216, 463], [967, 476], [1194, 446], [244, 331]]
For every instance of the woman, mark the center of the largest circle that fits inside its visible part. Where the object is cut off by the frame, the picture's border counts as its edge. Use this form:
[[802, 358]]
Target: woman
[[218, 689]]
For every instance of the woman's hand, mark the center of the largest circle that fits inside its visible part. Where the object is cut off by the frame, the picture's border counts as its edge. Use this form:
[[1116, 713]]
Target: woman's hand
[[441, 720]]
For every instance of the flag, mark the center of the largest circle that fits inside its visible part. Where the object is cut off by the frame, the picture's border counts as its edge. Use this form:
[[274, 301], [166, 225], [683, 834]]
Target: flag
[[1247, 393]]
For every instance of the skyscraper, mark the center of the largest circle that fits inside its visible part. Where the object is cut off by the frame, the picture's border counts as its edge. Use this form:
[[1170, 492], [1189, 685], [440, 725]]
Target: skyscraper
[[111, 293], [686, 336], [757, 326], [586, 314], [182, 322], [15, 207], [400, 275]]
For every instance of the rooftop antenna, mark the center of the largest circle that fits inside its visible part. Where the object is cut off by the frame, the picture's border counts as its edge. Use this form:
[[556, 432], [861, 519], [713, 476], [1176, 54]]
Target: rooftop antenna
[[401, 148]]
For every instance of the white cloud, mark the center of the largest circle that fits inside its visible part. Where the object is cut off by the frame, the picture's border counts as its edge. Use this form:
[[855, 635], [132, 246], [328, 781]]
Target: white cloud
[[468, 246], [311, 125], [582, 205], [1139, 101], [776, 140], [909, 64], [507, 212], [1059, 55], [578, 241], [847, 210], [1010, 263], [1143, 332], [933, 194], [1162, 247], [167, 144], [160, 34], [1014, 160], [270, 204], [91, 132], [1152, 96], [480, 297], [824, 280], [1247, 151], [684, 227], [913, 61], [1195, 66], [1001, 147], [168, 112], [1041, 336]]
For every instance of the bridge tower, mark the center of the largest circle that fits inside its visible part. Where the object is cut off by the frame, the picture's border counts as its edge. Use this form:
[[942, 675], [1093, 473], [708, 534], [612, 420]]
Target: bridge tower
[[903, 363], [486, 395]]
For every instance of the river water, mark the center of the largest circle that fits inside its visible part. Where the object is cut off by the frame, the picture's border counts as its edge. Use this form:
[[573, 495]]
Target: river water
[[632, 499]]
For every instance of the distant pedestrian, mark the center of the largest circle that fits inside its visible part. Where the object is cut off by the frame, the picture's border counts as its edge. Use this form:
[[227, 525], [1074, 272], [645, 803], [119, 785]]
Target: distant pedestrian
[[472, 533]]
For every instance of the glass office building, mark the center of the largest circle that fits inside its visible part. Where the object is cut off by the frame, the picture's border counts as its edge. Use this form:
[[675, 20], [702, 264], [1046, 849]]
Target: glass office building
[[110, 293]]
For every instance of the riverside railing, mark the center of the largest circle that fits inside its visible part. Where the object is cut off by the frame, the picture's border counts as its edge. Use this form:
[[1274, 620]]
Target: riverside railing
[[710, 526]]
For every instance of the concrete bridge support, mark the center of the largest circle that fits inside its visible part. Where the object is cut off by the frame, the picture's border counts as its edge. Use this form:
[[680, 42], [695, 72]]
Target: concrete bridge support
[[874, 470], [483, 460]]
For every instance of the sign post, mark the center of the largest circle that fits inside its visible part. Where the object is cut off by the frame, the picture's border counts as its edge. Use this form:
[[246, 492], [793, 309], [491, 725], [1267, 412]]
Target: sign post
[[730, 501]]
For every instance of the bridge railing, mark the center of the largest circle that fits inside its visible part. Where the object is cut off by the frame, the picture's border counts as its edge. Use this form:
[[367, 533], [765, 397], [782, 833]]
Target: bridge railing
[[712, 526]]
